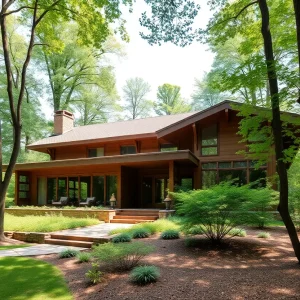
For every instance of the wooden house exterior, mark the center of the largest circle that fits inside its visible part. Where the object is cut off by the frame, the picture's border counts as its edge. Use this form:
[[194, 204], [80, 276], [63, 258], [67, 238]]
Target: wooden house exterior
[[138, 160]]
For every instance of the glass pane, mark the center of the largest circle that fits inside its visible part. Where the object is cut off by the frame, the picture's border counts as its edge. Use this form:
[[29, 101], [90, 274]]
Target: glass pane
[[98, 189], [209, 178], [240, 164], [209, 151], [211, 165], [225, 165], [92, 152], [51, 190], [186, 185], [23, 178], [23, 195], [111, 187], [238, 176], [62, 187], [258, 177], [209, 136], [24, 187], [85, 187], [168, 147], [128, 150], [147, 190], [73, 190]]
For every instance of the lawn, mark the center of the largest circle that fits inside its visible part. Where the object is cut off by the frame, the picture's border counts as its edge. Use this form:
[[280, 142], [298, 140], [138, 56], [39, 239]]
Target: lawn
[[44, 223], [14, 246], [30, 279]]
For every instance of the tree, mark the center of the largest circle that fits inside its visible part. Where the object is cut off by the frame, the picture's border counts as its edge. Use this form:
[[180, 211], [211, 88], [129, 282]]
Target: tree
[[232, 16], [38, 17], [169, 100], [135, 91]]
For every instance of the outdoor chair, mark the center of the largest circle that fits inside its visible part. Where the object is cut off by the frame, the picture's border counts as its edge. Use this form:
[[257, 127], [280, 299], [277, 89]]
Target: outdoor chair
[[88, 202], [63, 201]]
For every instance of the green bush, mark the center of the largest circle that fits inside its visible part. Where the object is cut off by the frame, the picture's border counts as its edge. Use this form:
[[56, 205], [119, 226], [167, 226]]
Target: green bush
[[94, 275], [140, 233], [170, 234], [123, 256], [263, 235], [67, 253], [144, 274], [195, 230], [121, 238], [83, 257], [237, 232]]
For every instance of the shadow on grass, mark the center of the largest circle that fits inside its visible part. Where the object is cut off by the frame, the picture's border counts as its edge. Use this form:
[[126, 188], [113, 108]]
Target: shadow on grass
[[27, 278]]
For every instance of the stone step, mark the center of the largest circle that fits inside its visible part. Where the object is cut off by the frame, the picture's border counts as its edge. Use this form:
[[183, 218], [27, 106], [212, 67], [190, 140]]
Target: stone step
[[129, 221], [71, 237], [69, 243], [136, 213], [136, 217]]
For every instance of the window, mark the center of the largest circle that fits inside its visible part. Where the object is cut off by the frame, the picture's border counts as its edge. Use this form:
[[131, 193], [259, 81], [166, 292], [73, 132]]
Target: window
[[51, 190], [209, 141], [128, 150], [85, 187], [98, 189], [62, 187], [168, 147], [23, 187], [96, 152], [111, 187]]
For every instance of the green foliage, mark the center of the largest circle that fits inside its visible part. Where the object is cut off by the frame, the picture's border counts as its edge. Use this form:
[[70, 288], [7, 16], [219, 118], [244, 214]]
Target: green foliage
[[192, 242], [9, 202], [94, 275], [263, 235], [194, 230], [45, 223], [14, 246], [237, 232], [83, 257], [170, 234], [36, 280], [68, 253], [144, 274], [121, 238], [140, 233], [124, 256]]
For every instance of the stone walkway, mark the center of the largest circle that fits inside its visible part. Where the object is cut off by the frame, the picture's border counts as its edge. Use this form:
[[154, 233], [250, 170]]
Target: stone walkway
[[101, 230]]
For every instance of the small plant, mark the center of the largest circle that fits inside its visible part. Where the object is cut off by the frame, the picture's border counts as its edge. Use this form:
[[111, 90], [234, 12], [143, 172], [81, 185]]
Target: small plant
[[237, 232], [263, 235], [144, 274], [121, 238], [83, 257], [121, 257], [140, 233], [67, 253], [195, 230], [170, 234], [94, 275]]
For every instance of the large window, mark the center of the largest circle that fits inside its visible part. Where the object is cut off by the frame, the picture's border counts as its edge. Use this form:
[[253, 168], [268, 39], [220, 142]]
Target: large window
[[111, 187], [128, 150], [240, 171], [168, 147], [95, 152], [51, 190], [209, 140], [98, 189], [23, 187]]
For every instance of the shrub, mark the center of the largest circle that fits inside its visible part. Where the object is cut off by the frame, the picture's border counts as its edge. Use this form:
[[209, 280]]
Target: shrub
[[83, 257], [121, 238], [94, 275], [123, 256], [195, 230], [237, 232], [170, 234], [263, 235], [144, 274], [67, 253], [140, 233]]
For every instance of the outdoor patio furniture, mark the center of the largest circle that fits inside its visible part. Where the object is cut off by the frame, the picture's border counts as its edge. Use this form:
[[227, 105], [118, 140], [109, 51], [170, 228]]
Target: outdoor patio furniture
[[63, 201], [90, 201]]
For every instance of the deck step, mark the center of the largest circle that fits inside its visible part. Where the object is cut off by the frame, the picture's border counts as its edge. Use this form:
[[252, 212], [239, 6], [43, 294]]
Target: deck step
[[129, 221], [135, 213], [72, 238], [136, 217], [69, 243]]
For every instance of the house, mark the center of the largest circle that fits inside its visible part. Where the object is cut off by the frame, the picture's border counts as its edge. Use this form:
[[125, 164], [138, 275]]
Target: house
[[137, 160]]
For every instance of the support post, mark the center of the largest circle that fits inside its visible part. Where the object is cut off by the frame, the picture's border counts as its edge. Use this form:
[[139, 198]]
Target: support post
[[171, 176]]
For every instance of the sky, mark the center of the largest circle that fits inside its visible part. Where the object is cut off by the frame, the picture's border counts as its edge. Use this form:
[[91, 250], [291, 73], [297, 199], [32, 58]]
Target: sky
[[161, 64]]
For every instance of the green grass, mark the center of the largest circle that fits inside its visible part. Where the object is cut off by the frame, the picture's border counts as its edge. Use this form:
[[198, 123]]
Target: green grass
[[44, 223], [152, 227], [14, 246], [29, 279]]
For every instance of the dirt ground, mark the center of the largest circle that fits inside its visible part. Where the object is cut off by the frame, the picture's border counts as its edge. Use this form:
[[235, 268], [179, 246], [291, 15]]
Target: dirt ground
[[244, 268]]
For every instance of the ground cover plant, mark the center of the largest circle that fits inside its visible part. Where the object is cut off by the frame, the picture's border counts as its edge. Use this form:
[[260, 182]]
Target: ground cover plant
[[68, 253], [121, 256], [45, 223], [121, 238], [83, 257], [140, 233], [8, 247], [57, 207], [263, 235], [30, 279], [170, 234], [144, 275]]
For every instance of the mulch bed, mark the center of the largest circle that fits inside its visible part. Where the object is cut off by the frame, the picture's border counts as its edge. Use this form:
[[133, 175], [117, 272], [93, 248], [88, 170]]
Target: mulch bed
[[243, 268]]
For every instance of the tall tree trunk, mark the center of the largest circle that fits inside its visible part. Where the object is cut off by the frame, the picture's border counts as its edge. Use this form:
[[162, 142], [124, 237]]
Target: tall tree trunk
[[297, 17], [283, 207]]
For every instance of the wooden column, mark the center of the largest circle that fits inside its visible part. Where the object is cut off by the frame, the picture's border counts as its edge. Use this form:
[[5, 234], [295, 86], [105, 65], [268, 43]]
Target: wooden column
[[195, 139], [197, 177], [119, 187], [171, 176]]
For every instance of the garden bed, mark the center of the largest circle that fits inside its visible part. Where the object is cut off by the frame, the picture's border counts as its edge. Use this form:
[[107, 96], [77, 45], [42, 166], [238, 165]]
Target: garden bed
[[244, 268]]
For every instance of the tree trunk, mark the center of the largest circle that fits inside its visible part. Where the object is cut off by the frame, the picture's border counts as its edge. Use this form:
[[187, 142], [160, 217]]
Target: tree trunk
[[277, 128]]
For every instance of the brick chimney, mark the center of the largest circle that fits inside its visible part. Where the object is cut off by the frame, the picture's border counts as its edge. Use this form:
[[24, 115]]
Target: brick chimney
[[63, 121]]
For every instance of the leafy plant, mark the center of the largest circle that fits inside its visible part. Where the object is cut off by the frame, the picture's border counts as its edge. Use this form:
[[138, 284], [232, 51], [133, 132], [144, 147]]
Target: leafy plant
[[237, 232], [263, 235], [195, 230], [170, 234], [94, 275], [144, 274], [121, 238], [140, 233], [83, 257], [123, 256], [67, 253]]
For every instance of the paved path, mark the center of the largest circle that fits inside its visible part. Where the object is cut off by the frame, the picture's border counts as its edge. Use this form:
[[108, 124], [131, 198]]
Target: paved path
[[101, 230]]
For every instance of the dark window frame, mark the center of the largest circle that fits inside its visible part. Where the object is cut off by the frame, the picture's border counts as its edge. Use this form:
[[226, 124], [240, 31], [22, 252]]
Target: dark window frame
[[127, 147], [216, 146]]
